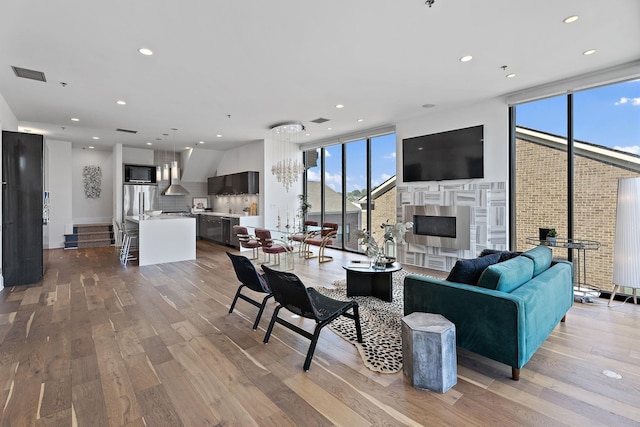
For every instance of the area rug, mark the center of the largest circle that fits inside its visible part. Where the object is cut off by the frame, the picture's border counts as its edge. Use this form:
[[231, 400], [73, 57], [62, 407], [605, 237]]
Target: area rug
[[381, 323]]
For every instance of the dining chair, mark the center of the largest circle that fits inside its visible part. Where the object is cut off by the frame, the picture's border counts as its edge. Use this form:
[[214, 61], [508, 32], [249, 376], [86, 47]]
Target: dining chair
[[290, 293], [303, 234], [250, 278], [246, 240], [322, 239], [271, 247]]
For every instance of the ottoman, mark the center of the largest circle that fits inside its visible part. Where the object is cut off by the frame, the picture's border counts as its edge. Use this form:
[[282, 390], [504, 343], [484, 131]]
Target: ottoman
[[429, 351]]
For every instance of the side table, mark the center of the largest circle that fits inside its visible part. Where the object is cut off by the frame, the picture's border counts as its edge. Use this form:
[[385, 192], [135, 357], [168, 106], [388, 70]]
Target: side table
[[364, 280]]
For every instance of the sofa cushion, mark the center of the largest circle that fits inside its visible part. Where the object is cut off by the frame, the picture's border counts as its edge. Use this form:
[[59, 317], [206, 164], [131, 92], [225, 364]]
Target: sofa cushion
[[504, 255], [541, 257], [507, 276], [468, 271]]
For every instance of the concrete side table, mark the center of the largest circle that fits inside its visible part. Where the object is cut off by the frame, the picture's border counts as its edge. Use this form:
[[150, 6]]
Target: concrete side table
[[429, 351]]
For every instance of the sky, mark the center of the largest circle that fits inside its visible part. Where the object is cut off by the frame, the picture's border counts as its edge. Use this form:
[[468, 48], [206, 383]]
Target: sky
[[607, 116]]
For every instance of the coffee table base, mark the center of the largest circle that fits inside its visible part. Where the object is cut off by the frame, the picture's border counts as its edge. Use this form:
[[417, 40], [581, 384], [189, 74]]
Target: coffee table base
[[367, 283]]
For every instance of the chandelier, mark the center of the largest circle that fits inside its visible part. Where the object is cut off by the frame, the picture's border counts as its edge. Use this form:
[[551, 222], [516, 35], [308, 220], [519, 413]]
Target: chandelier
[[286, 167]]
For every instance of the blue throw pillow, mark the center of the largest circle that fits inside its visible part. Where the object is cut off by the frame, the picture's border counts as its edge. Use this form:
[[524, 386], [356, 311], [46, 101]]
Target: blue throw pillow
[[468, 271], [504, 255]]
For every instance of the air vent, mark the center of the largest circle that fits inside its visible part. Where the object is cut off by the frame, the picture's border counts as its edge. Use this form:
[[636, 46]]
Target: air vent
[[320, 120], [127, 130], [29, 74]]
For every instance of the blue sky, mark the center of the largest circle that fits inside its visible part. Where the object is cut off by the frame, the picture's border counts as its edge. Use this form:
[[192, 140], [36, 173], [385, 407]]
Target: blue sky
[[608, 116]]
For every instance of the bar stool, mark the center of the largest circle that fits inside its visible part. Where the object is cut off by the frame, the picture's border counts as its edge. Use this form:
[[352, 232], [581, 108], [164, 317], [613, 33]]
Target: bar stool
[[130, 236]]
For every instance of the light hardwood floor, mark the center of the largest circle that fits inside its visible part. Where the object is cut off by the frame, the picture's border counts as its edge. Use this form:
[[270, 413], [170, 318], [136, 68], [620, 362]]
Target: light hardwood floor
[[99, 344]]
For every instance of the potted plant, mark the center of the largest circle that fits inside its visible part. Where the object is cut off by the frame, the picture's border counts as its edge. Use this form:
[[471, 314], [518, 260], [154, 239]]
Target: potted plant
[[551, 237]]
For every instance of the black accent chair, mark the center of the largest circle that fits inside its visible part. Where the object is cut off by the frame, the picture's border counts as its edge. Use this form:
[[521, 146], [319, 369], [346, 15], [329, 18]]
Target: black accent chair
[[290, 293], [249, 277]]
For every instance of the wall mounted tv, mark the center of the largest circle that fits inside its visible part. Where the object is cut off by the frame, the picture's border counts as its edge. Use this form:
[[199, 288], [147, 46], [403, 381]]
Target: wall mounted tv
[[455, 154]]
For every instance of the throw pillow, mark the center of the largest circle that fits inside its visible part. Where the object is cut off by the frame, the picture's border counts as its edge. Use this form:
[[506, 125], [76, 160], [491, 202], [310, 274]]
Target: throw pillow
[[504, 255], [468, 271], [507, 276], [541, 257]]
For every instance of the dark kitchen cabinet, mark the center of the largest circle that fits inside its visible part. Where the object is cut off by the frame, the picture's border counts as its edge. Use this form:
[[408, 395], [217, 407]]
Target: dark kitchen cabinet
[[237, 183], [22, 196]]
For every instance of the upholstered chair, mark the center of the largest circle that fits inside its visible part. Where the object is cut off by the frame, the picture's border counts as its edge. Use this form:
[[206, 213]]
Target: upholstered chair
[[246, 240], [322, 239], [271, 247]]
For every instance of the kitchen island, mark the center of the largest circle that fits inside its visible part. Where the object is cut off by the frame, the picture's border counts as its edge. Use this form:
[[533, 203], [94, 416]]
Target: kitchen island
[[164, 238]]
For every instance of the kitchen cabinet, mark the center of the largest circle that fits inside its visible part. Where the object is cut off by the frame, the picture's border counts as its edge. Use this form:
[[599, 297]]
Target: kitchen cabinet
[[22, 208], [219, 229], [237, 183]]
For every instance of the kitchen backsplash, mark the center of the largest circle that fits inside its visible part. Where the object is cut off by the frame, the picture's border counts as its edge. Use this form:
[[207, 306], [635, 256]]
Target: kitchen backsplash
[[183, 203], [236, 203]]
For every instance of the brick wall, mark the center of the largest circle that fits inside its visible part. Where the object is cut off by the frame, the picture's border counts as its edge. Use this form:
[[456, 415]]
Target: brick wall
[[541, 201]]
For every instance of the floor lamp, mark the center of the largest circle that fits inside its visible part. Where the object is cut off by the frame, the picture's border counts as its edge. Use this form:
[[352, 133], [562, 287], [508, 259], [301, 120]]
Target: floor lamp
[[626, 255]]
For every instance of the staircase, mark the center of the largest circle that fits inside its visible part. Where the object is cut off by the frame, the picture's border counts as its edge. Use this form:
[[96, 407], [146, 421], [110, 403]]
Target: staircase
[[89, 236]]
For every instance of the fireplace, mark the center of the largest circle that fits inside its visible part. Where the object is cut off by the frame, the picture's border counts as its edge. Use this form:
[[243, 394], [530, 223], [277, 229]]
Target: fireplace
[[439, 226]]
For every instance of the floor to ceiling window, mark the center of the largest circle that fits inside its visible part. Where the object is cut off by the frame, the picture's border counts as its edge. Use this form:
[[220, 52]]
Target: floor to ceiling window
[[605, 126], [353, 184]]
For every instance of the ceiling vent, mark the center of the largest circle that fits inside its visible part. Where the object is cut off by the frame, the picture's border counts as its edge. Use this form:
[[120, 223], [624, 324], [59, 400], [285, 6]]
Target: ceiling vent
[[29, 74], [127, 130], [319, 120]]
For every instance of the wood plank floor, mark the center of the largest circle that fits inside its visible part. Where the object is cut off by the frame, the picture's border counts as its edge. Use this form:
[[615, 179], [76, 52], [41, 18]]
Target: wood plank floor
[[99, 344]]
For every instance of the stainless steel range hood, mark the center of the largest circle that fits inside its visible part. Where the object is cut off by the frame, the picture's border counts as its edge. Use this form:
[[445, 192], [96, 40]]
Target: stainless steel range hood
[[175, 189]]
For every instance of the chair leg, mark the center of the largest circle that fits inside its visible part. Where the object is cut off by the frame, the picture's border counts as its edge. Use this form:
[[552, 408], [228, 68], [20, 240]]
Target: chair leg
[[356, 318], [613, 294], [264, 303], [273, 322], [312, 347], [235, 299], [322, 257]]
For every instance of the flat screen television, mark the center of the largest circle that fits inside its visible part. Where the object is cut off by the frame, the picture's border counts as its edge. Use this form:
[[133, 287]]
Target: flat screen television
[[455, 154]]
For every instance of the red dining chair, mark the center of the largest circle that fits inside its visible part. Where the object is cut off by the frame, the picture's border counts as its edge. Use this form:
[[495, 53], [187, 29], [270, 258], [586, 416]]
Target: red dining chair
[[270, 247], [246, 240], [322, 238], [303, 234]]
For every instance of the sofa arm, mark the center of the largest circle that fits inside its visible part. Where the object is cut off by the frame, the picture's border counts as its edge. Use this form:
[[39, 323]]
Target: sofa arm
[[488, 322]]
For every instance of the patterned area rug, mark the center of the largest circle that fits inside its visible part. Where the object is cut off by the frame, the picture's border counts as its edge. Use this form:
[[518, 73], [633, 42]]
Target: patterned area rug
[[381, 350]]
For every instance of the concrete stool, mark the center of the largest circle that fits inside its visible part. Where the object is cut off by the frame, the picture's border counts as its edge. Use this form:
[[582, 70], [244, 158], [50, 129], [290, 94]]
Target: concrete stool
[[429, 351]]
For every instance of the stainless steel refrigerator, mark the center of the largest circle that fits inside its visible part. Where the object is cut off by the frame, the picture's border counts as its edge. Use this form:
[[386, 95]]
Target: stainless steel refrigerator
[[136, 199]]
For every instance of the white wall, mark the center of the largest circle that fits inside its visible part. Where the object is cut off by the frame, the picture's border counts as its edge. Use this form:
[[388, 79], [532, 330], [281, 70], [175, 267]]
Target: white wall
[[58, 182], [493, 114], [86, 210]]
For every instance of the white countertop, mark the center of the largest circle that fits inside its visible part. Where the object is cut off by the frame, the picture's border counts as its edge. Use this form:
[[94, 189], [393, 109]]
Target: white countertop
[[162, 217], [228, 215]]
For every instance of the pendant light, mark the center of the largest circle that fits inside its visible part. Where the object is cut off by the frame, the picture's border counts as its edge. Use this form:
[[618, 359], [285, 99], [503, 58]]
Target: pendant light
[[165, 167]]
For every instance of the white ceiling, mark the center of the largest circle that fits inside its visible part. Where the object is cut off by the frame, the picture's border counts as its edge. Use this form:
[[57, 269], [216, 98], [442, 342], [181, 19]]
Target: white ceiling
[[235, 68]]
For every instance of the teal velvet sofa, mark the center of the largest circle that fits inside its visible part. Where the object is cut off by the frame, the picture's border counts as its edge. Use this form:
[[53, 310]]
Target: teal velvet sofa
[[508, 313]]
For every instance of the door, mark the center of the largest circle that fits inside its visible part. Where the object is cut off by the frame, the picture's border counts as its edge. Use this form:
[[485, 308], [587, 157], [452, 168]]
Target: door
[[22, 194]]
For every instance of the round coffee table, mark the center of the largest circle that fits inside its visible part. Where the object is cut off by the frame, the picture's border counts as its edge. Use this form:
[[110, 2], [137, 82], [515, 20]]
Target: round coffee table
[[364, 280]]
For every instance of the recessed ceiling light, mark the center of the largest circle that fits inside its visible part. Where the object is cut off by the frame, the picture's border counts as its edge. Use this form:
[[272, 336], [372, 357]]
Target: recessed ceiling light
[[201, 142], [339, 106], [329, 128], [589, 52], [428, 105], [510, 75], [570, 19], [121, 103], [149, 143], [75, 119], [307, 134], [466, 58], [187, 148], [96, 137], [91, 147], [218, 136], [360, 120], [145, 51]]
